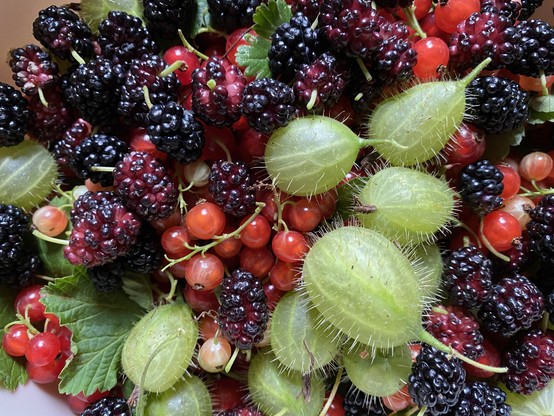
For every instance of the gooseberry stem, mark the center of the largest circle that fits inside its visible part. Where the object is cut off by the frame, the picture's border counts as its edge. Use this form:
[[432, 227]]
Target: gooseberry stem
[[44, 237]]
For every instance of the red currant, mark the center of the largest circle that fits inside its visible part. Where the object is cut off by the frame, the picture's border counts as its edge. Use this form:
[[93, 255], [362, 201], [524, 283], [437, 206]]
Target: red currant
[[15, 340], [257, 233], [500, 229], [432, 55], [43, 348], [28, 302], [289, 246], [204, 271], [205, 220]]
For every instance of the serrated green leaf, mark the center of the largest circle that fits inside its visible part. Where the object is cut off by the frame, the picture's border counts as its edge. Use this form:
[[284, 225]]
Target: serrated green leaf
[[100, 324], [268, 17], [200, 17], [542, 103], [536, 118], [139, 290], [12, 372], [254, 57]]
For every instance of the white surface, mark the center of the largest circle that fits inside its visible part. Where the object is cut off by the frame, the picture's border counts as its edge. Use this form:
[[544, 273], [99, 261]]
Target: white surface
[[33, 399]]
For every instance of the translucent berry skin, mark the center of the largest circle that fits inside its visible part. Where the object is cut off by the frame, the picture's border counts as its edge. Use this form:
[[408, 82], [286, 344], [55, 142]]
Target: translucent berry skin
[[432, 55], [500, 229]]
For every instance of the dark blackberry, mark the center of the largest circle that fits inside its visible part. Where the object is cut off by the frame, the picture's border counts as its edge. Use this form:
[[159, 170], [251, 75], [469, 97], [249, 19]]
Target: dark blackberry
[[319, 84], [94, 90], [357, 403], [361, 92], [166, 17], [541, 229], [14, 116], [176, 132], [107, 277], [528, 7], [480, 185], [537, 43], [515, 303], [231, 186], [243, 313], [232, 14], [436, 380], [508, 8], [310, 8], [48, 124], [146, 255], [467, 277], [108, 406], [33, 69], [496, 105], [293, 45], [485, 35], [242, 411], [92, 200], [391, 4], [481, 399], [549, 306], [217, 92], [146, 72], [518, 254], [61, 31], [65, 147], [530, 362], [23, 272], [102, 234], [123, 37], [268, 104], [97, 150], [457, 329], [145, 186]]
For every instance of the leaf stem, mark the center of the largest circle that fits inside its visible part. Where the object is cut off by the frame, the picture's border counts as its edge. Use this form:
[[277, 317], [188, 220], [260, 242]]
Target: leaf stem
[[44, 237]]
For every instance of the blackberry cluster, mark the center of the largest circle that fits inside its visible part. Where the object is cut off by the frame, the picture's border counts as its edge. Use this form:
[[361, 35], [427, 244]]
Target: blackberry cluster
[[530, 363], [166, 17], [496, 105], [242, 411], [528, 7], [60, 30], [243, 313], [33, 69], [357, 403], [268, 104], [467, 277], [176, 132], [73, 136], [515, 303], [123, 37], [94, 90], [541, 229], [145, 72], [231, 186], [107, 277], [144, 185], [14, 116], [480, 185], [232, 14], [217, 92], [48, 124], [537, 44], [436, 380], [97, 150], [507, 8], [108, 406], [146, 255], [481, 399], [310, 8], [293, 45]]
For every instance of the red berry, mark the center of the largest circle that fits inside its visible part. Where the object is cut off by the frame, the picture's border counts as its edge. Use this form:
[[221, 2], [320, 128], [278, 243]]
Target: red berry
[[257, 233], [284, 276], [535, 166], [448, 16], [27, 303], [205, 220], [289, 246], [432, 55], [257, 261], [200, 300], [43, 348], [15, 340], [500, 229], [304, 215], [511, 181], [204, 271], [191, 62]]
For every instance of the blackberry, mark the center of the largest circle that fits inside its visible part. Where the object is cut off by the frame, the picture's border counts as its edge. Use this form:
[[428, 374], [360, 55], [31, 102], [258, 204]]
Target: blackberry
[[392, 4], [94, 90], [361, 92], [33, 69], [48, 124], [108, 406], [457, 329], [293, 44], [231, 186], [528, 7], [319, 84], [243, 313], [92, 200], [176, 132], [123, 37], [65, 147], [537, 43], [242, 411], [23, 272], [480, 185], [357, 403], [61, 31], [541, 229], [268, 104], [102, 234], [14, 116], [310, 8], [166, 17], [485, 35], [232, 14], [97, 150], [146, 255], [549, 306], [544, 279], [518, 254], [145, 186], [530, 362], [146, 72], [481, 399], [514, 305], [496, 105], [436, 380], [508, 8], [217, 92], [467, 277], [107, 277]]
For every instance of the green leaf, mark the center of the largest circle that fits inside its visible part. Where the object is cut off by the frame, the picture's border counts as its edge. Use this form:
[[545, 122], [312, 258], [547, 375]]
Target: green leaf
[[100, 323], [254, 57], [541, 109], [268, 17], [12, 372], [200, 17], [139, 290]]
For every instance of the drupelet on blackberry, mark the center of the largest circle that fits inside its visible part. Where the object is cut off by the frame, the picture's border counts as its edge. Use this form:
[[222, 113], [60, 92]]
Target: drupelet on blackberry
[[507, 8], [480, 185], [166, 17], [146, 255], [310, 8], [481, 399], [108, 406], [73, 136], [107, 277], [528, 7], [232, 14], [231, 186], [14, 116], [92, 200], [537, 43], [33, 69], [541, 229], [176, 132], [243, 313], [357, 403]]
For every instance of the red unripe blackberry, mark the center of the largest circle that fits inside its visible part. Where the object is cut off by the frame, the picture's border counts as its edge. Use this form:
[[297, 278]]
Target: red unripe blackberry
[[243, 313], [14, 116], [33, 69], [530, 362], [48, 124], [145, 186], [91, 200], [231, 186]]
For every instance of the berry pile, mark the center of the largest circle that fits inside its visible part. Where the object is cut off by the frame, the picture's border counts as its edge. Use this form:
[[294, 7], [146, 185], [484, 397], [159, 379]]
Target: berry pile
[[281, 207]]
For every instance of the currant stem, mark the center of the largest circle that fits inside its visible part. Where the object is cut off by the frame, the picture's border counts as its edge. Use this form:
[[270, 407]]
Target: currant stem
[[544, 88], [171, 68], [476, 71], [147, 100], [333, 393], [191, 48], [173, 287], [44, 237], [412, 21], [77, 57], [364, 69], [232, 360], [108, 169], [490, 247], [42, 97]]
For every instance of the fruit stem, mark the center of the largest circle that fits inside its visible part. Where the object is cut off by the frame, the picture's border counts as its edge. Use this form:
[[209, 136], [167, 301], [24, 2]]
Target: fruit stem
[[476, 71], [77, 57], [191, 48], [470, 231], [171, 68], [42, 97], [412, 21], [232, 360], [426, 337], [173, 287], [313, 98], [147, 100], [422, 411], [210, 29], [225, 149], [237, 41], [487, 244], [364, 69], [544, 88], [63, 193], [544, 322], [44, 237], [109, 169], [333, 392]]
